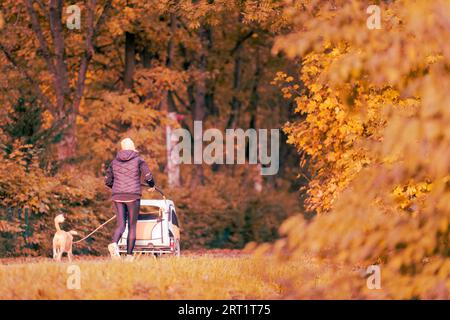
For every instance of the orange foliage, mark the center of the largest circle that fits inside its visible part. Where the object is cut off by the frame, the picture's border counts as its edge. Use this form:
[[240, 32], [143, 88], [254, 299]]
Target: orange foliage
[[374, 130]]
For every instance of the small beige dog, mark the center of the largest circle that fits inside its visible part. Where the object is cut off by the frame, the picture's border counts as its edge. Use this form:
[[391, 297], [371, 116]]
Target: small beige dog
[[63, 240]]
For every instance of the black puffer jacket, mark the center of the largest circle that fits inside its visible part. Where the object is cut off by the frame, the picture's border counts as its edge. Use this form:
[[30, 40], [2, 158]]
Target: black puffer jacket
[[124, 175]]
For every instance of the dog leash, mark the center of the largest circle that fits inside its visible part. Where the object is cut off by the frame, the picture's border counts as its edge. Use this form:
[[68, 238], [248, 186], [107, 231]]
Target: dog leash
[[98, 228], [112, 218]]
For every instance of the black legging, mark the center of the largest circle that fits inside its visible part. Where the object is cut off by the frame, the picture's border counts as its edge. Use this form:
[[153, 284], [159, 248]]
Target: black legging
[[127, 211]]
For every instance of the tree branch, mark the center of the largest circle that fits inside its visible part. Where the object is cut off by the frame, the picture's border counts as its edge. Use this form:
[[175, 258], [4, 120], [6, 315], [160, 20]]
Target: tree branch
[[40, 36], [92, 31], [41, 96], [55, 17], [41, 4], [37, 29], [240, 41], [183, 103]]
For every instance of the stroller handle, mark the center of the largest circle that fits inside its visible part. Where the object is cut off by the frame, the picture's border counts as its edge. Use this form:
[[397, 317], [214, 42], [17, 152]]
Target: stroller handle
[[160, 191], [157, 189]]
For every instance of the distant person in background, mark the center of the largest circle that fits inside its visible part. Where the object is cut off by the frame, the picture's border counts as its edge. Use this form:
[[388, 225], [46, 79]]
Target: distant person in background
[[124, 177]]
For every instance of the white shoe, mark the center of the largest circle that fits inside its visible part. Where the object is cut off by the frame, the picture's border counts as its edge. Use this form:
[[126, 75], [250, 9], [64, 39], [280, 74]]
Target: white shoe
[[129, 258], [114, 251]]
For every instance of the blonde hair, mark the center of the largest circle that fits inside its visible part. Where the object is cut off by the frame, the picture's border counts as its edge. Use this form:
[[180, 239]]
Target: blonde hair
[[127, 144]]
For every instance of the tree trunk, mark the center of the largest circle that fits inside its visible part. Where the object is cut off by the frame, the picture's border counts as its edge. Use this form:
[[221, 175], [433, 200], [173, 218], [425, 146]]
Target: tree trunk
[[167, 104], [130, 60], [146, 58], [173, 158], [253, 109], [67, 146], [200, 94], [235, 102], [233, 121]]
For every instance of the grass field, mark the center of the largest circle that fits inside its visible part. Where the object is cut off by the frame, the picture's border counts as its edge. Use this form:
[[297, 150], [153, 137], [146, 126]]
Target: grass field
[[192, 276]]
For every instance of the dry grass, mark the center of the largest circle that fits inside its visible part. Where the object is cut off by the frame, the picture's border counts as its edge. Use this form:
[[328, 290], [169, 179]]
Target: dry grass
[[189, 277]]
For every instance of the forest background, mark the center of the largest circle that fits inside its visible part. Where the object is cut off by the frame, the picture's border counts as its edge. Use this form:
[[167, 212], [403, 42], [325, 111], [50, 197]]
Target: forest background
[[361, 96]]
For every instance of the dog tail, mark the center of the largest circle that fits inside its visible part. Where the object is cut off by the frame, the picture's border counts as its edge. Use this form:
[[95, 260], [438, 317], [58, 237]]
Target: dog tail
[[73, 232]]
